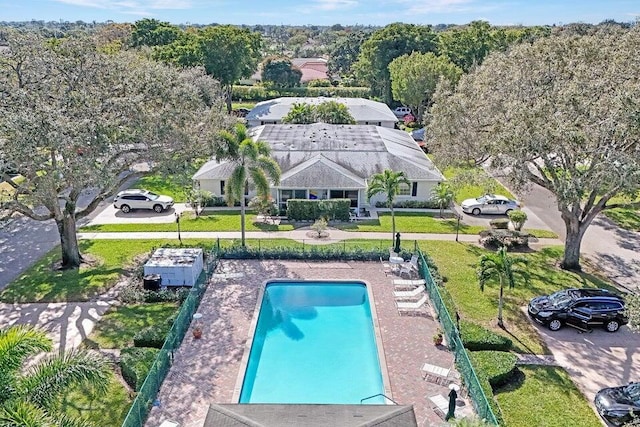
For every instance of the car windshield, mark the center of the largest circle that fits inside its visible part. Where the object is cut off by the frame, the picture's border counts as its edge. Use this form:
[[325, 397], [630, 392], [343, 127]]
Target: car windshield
[[560, 299], [152, 196], [633, 391], [482, 199]]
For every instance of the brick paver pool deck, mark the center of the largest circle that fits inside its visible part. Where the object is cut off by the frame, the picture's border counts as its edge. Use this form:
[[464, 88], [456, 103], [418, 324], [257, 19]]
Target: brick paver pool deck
[[206, 370]]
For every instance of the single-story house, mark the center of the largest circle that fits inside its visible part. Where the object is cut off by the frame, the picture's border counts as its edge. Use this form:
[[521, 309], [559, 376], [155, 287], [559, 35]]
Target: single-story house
[[323, 161], [364, 111]]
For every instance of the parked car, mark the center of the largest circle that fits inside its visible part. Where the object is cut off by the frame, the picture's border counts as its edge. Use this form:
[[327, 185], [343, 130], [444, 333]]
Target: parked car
[[619, 405], [490, 204], [581, 308], [400, 112], [141, 199], [240, 112]]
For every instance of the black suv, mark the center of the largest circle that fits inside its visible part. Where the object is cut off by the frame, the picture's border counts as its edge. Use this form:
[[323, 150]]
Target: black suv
[[580, 308]]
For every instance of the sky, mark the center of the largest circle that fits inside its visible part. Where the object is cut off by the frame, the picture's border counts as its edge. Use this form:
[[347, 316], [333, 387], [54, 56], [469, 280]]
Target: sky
[[325, 12]]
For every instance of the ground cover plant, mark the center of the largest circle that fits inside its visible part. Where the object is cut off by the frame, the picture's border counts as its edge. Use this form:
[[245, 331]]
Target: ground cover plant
[[120, 324], [109, 410]]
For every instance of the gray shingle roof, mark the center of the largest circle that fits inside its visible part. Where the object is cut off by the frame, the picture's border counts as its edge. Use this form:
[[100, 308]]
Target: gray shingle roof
[[336, 156], [362, 110], [282, 415]]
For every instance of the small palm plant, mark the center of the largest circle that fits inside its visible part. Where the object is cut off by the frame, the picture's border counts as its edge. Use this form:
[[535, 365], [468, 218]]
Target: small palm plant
[[31, 395], [443, 196], [503, 268]]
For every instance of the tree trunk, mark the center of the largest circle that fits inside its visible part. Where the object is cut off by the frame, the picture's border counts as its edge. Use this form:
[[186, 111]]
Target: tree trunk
[[227, 96], [69, 241], [242, 212], [575, 232], [500, 322], [393, 226]]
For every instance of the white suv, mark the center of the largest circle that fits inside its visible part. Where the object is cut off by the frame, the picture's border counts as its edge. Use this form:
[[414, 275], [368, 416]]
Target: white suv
[[141, 199], [402, 111]]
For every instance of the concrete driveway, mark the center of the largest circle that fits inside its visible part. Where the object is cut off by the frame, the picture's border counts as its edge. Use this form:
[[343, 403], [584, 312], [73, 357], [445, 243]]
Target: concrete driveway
[[111, 215], [533, 220], [595, 360]]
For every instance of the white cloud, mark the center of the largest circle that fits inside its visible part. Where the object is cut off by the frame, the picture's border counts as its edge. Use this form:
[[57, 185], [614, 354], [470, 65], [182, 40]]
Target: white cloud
[[135, 7], [334, 4]]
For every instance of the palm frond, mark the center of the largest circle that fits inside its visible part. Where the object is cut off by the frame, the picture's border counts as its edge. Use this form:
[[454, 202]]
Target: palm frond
[[46, 381], [17, 343], [260, 181], [24, 414]]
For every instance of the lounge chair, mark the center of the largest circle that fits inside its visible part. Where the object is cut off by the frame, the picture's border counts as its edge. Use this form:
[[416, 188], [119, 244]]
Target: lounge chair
[[411, 307], [440, 405], [408, 283], [408, 294], [435, 374]]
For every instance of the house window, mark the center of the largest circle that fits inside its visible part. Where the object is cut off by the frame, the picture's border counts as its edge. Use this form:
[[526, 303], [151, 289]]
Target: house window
[[414, 189], [222, 188], [404, 190]]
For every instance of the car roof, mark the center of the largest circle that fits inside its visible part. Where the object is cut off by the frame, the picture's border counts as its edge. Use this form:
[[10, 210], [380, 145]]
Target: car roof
[[603, 294], [496, 197], [132, 191]]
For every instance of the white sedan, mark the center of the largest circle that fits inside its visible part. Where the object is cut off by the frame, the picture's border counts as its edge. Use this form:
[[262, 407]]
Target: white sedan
[[490, 204]]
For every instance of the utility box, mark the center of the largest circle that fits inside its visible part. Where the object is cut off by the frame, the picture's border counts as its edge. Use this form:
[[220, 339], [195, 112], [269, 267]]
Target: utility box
[[176, 267]]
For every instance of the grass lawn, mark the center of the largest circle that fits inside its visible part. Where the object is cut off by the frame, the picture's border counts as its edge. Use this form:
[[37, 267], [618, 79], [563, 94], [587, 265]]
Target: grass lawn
[[629, 219], [108, 410], [457, 262], [247, 105], [118, 326], [545, 396], [208, 221], [42, 283], [166, 185], [471, 191]]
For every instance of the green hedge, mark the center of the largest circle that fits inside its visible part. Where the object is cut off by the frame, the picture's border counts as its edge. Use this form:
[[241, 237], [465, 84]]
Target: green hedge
[[497, 366], [411, 204], [152, 336], [477, 338], [310, 210], [135, 363], [261, 93], [321, 253]]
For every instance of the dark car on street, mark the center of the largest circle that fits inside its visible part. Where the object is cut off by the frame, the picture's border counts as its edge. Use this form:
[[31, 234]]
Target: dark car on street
[[619, 405], [580, 308]]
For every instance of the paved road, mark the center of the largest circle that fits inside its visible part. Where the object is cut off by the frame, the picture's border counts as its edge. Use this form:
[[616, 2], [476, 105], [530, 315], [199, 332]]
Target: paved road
[[608, 248]]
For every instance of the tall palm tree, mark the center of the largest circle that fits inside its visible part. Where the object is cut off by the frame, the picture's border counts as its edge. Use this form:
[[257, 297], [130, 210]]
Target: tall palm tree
[[501, 267], [30, 396], [387, 182], [252, 165]]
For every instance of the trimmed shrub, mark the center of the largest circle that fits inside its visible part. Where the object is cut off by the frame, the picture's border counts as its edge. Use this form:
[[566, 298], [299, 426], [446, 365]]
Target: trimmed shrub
[[310, 210], [135, 363], [321, 253], [261, 93], [500, 223], [476, 338], [497, 366], [166, 295], [411, 204], [151, 336], [518, 218], [494, 239]]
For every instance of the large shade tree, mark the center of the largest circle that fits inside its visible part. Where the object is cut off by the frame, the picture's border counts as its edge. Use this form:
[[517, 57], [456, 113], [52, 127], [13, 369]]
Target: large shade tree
[[388, 182], [252, 167], [563, 113], [414, 78], [76, 123], [30, 394], [384, 46]]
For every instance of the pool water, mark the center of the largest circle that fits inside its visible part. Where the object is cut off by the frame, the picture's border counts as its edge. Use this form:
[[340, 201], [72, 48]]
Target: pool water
[[314, 343]]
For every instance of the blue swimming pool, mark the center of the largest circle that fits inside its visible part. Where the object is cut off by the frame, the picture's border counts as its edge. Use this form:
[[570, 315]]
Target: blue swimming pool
[[314, 343]]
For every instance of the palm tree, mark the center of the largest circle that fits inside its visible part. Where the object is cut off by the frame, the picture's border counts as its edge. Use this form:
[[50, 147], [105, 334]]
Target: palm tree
[[252, 166], [442, 195], [387, 182], [30, 396], [502, 267]]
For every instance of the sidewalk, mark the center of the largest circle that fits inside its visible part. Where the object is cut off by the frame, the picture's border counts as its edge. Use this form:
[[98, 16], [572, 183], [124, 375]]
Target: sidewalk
[[298, 235]]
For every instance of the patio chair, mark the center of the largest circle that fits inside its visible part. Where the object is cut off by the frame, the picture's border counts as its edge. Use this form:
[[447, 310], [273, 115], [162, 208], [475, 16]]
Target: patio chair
[[408, 294], [411, 307], [440, 405], [386, 268], [410, 267], [352, 217]]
